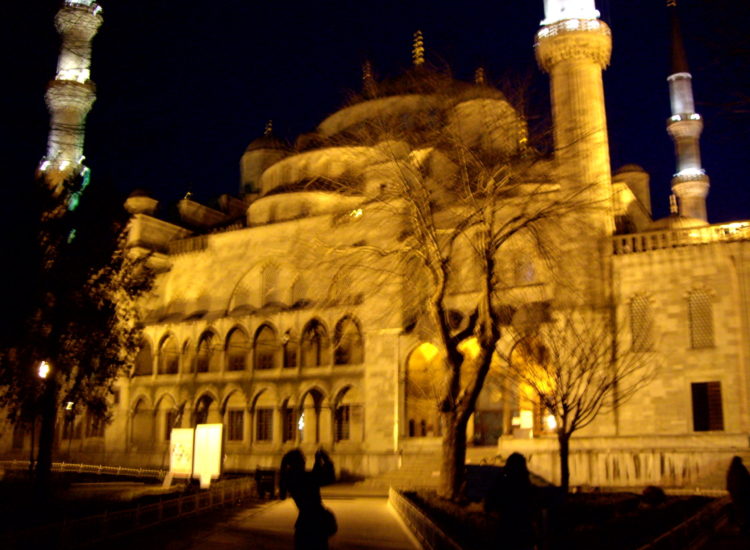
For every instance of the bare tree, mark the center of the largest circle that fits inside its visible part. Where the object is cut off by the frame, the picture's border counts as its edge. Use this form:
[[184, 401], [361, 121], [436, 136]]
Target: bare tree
[[454, 177], [577, 366]]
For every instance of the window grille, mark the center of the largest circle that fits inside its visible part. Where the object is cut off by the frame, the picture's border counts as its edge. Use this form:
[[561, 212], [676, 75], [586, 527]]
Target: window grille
[[266, 347], [289, 426], [700, 313], [707, 409], [236, 425], [641, 324], [95, 427], [290, 354], [238, 347], [343, 423], [263, 424]]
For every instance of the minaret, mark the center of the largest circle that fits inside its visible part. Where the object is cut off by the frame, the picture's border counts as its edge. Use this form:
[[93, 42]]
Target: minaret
[[574, 46], [71, 94], [690, 182]]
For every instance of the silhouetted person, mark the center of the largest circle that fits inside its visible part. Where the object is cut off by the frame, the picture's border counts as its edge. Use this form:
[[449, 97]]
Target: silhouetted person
[[314, 523], [511, 498], [738, 485], [323, 468]]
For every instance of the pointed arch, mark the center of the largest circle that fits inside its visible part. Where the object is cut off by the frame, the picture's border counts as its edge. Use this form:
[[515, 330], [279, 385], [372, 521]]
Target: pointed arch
[[421, 391], [267, 348], [315, 345], [207, 355], [206, 410], [237, 348], [348, 342], [144, 361], [169, 355]]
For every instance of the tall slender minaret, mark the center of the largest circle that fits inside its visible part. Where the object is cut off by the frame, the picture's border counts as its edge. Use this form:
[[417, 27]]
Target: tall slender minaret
[[574, 46], [690, 182], [72, 93]]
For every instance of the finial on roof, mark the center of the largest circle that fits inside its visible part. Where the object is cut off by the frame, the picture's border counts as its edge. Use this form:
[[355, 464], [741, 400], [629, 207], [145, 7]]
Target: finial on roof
[[480, 76], [673, 204], [269, 128], [417, 51]]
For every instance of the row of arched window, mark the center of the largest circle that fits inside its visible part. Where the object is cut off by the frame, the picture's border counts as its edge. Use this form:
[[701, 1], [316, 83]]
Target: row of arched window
[[265, 351], [699, 318]]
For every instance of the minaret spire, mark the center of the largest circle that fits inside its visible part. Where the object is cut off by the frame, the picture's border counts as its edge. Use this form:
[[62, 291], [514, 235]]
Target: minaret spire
[[71, 94], [690, 182], [417, 50]]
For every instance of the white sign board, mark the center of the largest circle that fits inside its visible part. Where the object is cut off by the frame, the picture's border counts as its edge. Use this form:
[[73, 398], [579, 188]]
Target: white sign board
[[208, 453], [181, 452]]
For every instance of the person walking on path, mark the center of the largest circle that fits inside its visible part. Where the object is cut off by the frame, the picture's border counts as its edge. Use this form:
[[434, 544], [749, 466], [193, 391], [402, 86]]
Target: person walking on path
[[315, 523]]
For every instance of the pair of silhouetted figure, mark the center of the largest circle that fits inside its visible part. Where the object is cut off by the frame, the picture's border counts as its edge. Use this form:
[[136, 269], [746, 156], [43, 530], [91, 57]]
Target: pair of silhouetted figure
[[315, 523], [511, 497]]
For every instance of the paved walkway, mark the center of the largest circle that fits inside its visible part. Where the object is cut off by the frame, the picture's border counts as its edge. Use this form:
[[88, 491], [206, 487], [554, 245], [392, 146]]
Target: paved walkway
[[365, 522]]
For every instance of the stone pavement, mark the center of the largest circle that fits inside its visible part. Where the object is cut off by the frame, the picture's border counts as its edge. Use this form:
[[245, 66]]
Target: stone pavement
[[365, 522]]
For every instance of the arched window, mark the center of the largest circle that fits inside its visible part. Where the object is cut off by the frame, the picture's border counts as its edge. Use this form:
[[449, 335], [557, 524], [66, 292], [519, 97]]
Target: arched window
[[349, 349], [238, 346], [700, 317], [144, 361], [299, 292], [267, 348], [206, 411], [205, 359], [270, 285], [641, 324], [315, 345], [169, 356]]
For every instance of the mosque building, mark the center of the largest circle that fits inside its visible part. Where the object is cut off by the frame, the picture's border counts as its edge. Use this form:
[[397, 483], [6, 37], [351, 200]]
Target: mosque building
[[261, 320]]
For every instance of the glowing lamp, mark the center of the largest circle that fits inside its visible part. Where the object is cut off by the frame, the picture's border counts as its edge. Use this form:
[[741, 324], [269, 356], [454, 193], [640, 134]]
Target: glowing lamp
[[43, 369], [551, 422]]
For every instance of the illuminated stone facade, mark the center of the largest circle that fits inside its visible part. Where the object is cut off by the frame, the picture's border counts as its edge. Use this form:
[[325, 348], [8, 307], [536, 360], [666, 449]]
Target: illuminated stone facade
[[254, 323]]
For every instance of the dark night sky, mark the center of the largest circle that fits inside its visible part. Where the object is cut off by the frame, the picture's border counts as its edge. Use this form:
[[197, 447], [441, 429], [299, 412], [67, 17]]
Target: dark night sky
[[184, 86]]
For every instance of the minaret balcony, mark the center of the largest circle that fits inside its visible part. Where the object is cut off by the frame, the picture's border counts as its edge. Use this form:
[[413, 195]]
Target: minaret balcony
[[686, 127], [589, 39], [573, 25]]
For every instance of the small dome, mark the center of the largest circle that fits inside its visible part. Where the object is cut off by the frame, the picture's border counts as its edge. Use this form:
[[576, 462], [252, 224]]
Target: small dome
[[673, 222], [267, 142], [629, 168]]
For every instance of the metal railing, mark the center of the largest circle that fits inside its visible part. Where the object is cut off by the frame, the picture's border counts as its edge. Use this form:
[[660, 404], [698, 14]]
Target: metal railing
[[87, 531], [68, 467]]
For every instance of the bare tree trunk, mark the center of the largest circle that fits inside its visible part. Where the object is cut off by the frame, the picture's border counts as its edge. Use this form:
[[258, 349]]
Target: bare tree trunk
[[454, 456], [46, 437], [563, 440]]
